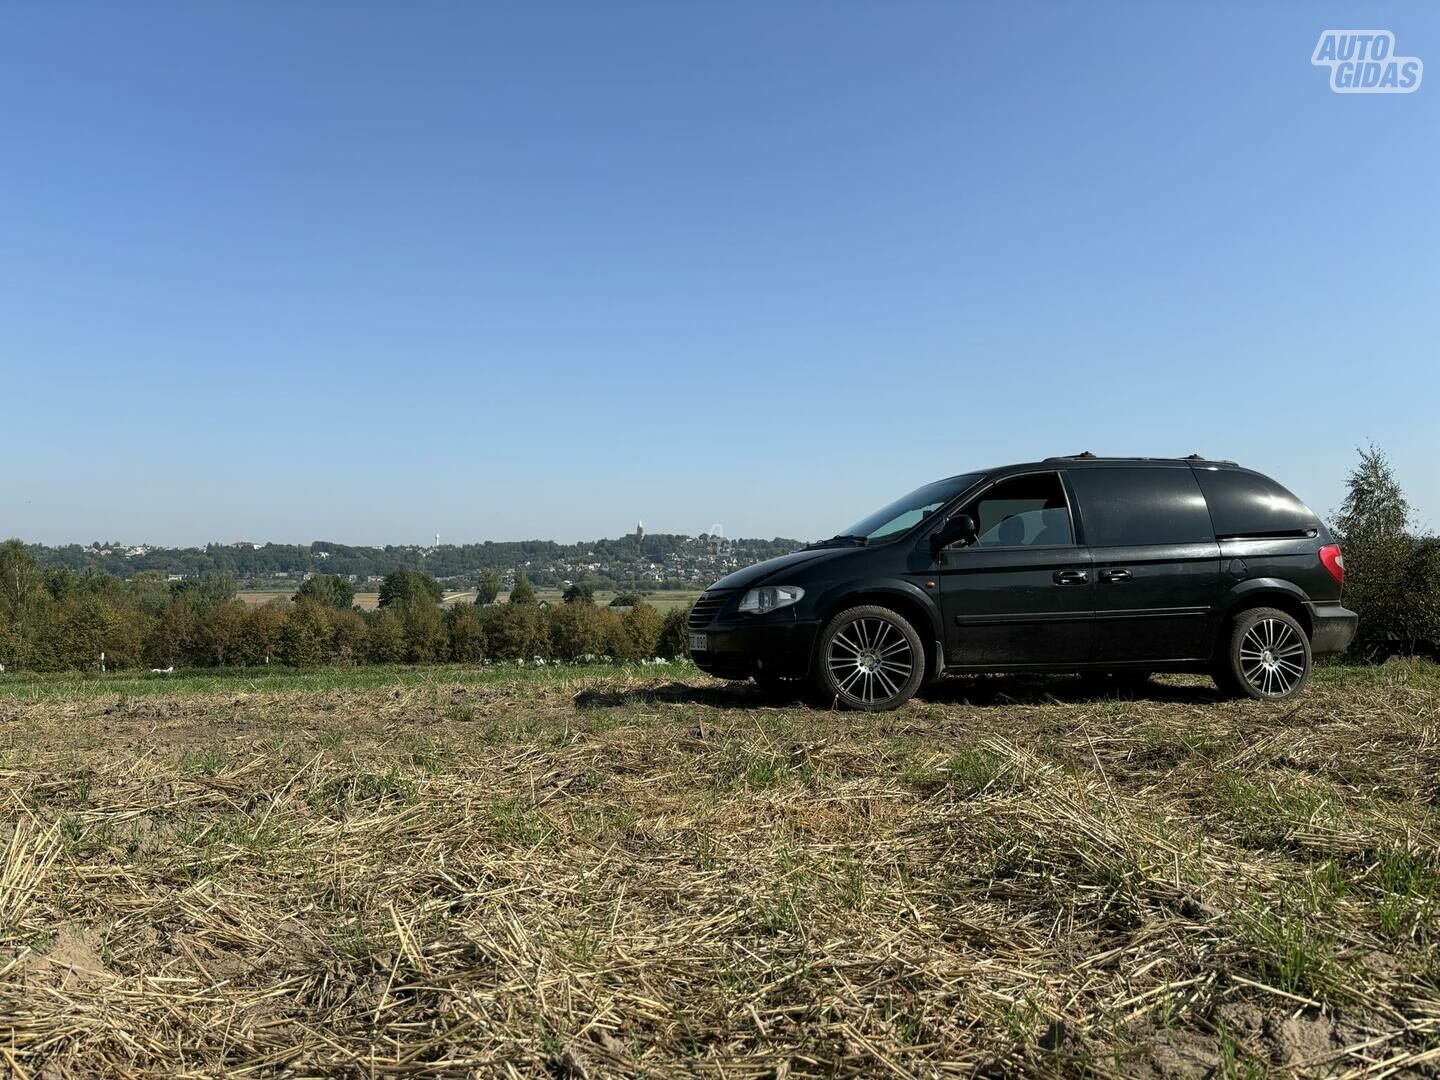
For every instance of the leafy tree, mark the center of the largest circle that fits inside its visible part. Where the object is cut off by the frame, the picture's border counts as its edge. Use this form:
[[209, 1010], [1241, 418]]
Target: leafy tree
[[386, 638], [1392, 577], [328, 590], [224, 633], [9, 642], [581, 592], [425, 640], [466, 633], [626, 599], [175, 638], [207, 590], [488, 589], [263, 635], [61, 582], [349, 635], [402, 587], [305, 638], [523, 592], [81, 627], [516, 631], [21, 586], [151, 591]]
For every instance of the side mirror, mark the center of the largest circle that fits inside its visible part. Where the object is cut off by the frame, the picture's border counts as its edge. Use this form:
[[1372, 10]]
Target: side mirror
[[957, 527]]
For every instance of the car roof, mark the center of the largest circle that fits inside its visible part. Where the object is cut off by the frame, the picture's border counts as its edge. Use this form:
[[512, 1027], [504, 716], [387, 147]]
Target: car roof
[[1088, 460]]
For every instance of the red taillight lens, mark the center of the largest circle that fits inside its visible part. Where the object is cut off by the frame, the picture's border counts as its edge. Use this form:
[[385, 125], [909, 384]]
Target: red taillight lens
[[1334, 561]]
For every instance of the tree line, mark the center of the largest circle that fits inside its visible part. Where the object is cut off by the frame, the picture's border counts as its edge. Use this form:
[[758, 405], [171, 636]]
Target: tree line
[[58, 620], [625, 556]]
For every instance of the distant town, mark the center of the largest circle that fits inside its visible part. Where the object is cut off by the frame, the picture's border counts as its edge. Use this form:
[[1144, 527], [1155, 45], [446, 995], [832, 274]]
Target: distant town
[[636, 561]]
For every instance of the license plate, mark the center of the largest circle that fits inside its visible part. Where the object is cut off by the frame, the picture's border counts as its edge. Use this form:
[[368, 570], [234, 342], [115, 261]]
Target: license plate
[[699, 642]]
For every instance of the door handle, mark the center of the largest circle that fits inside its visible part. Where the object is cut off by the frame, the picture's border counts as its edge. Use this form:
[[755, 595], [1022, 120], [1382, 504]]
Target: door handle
[[1116, 575], [1070, 577]]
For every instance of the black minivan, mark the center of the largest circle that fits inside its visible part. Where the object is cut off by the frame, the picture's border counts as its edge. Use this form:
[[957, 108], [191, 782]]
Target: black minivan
[[1121, 566]]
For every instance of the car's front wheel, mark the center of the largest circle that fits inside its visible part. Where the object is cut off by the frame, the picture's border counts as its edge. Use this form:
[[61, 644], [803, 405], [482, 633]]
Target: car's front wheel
[[870, 658], [1265, 655]]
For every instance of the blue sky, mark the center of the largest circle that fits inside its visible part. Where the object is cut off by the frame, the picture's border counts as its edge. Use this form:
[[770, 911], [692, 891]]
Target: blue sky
[[367, 272]]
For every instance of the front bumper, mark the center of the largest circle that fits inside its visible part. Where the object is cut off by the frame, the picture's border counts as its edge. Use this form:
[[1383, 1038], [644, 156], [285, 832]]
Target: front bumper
[[739, 648], [1332, 628]]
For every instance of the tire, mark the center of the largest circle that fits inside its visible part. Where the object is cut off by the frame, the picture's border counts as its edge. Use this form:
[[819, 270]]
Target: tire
[[1264, 655], [870, 658]]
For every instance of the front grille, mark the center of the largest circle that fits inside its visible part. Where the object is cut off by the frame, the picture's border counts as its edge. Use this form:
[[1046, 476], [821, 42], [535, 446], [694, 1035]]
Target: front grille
[[707, 607]]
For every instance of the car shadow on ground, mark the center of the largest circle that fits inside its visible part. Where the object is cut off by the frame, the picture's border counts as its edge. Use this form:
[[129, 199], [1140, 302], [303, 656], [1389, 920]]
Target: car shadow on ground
[[973, 690], [981, 690]]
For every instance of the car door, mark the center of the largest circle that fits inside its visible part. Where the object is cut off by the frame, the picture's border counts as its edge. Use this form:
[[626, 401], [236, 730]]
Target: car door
[[1156, 561], [1021, 592]]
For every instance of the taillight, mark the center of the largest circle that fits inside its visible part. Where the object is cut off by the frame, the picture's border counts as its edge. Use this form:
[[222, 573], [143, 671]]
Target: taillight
[[1334, 562]]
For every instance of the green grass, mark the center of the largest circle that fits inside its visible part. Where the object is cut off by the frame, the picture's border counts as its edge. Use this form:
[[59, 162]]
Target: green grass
[[276, 678]]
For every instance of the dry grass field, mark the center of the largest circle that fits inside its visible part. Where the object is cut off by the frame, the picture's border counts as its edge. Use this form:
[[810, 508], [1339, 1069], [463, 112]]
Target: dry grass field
[[605, 872]]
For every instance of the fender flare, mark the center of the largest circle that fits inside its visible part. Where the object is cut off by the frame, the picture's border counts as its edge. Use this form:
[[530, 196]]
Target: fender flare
[[1251, 588], [832, 600]]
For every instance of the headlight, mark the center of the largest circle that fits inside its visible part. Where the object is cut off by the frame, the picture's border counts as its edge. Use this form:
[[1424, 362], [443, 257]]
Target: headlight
[[771, 597]]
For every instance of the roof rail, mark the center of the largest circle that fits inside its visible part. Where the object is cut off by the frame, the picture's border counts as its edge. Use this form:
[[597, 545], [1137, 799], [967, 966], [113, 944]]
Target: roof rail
[[1084, 455]]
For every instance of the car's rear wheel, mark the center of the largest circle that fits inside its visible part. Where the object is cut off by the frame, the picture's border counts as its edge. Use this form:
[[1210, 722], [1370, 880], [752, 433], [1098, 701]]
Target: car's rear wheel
[[1265, 655], [870, 658]]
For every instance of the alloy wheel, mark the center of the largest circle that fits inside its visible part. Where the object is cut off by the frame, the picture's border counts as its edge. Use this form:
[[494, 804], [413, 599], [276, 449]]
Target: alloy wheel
[[1272, 657], [870, 659]]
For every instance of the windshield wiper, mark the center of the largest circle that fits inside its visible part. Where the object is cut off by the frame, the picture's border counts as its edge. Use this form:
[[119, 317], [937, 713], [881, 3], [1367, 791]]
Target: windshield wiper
[[843, 538]]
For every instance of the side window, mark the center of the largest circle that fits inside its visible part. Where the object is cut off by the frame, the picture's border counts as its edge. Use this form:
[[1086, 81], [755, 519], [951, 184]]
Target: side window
[[1028, 510], [1135, 507], [1244, 503]]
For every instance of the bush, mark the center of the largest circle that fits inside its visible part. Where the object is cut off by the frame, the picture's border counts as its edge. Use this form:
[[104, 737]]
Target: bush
[[263, 634], [349, 637], [385, 638], [580, 629], [675, 634], [1392, 576], [225, 634], [639, 633], [175, 639], [305, 638], [425, 640], [79, 628], [465, 633], [516, 631]]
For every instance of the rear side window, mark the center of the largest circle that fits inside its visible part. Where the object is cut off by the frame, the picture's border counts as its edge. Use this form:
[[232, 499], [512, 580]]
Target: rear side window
[[1133, 507], [1248, 504]]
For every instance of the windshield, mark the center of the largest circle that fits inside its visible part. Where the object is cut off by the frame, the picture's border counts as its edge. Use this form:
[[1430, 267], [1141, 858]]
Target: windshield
[[905, 512]]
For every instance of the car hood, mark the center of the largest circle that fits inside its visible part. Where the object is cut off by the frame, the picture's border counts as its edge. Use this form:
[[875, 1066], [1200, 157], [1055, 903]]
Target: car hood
[[754, 575]]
